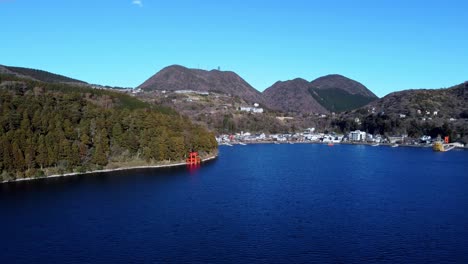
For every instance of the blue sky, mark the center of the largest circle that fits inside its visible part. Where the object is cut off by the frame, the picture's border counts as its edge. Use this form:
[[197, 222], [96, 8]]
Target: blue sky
[[386, 45]]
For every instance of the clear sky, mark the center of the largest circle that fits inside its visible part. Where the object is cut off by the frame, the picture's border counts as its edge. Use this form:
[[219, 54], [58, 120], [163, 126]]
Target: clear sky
[[386, 45]]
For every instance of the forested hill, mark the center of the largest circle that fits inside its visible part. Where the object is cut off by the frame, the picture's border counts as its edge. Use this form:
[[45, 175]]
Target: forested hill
[[176, 77], [38, 75], [57, 128], [330, 93]]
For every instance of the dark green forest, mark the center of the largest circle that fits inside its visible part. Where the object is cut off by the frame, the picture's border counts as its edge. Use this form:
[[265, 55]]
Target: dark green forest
[[337, 100], [43, 76], [57, 128]]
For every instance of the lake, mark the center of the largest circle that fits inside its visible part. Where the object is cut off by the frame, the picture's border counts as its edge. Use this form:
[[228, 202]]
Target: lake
[[300, 203]]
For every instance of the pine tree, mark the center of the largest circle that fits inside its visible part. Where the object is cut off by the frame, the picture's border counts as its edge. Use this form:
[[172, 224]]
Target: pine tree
[[42, 157], [101, 149], [18, 158], [25, 122]]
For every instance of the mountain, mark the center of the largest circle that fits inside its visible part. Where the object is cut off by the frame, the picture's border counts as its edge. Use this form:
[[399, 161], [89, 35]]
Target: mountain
[[337, 93], [292, 96], [336, 81], [331, 93], [38, 75], [449, 102], [177, 77]]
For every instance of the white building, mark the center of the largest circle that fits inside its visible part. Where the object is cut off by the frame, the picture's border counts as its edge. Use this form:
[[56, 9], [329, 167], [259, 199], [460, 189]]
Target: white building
[[261, 136], [357, 135], [425, 138], [396, 139], [251, 109], [191, 92]]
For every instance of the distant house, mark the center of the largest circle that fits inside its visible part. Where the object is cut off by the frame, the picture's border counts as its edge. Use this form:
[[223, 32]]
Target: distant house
[[357, 135], [402, 116], [309, 130], [425, 139], [396, 139], [261, 136], [251, 109]]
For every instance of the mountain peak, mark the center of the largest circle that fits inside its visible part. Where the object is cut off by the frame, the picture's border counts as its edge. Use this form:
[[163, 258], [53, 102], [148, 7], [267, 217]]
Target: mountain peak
[[329, 93], [292, 96], [176, 77], [337, 81]]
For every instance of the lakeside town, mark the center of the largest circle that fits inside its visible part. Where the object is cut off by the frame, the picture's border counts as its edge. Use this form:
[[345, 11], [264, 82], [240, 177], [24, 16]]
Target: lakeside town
[[310, 135]]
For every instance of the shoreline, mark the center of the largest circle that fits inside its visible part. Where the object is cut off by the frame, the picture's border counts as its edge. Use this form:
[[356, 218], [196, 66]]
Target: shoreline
[[170, 165], [334, 143]]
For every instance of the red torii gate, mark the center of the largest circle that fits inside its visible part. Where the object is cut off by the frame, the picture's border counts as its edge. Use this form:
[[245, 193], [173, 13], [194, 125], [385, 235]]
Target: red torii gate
[[193, 158]]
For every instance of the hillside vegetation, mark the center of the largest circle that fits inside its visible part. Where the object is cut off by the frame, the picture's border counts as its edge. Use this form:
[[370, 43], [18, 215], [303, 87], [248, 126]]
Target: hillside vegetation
[[330, 93], [39, 75], [337, 100], [438, 112], [56, 128], [176, 77], [450, 102]]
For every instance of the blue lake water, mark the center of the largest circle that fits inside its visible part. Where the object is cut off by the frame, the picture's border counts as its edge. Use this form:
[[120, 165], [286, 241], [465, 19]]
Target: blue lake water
[[298, 203]]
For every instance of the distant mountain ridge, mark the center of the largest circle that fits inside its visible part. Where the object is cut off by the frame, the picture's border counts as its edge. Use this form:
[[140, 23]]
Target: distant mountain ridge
[[450, 102], [332, 81], [292, 96], [330, 93], [38, 75], [177, 77]]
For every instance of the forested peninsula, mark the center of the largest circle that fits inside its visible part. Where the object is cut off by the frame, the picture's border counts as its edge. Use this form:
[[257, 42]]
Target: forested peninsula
[[56, 128]]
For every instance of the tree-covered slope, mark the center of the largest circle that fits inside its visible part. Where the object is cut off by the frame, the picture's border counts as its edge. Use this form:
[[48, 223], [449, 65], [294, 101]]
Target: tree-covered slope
[[449, 102], [38, 75], [292, 96], [330, 93], [338, 100], [56, 128]]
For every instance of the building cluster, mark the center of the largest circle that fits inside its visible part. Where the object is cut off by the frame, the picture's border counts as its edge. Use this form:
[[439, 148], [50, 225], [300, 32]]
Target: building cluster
[[190, 92], [255, 109], [309, 135]]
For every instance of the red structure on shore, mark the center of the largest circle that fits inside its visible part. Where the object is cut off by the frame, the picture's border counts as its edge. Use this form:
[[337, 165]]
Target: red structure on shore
[[193, 158]]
